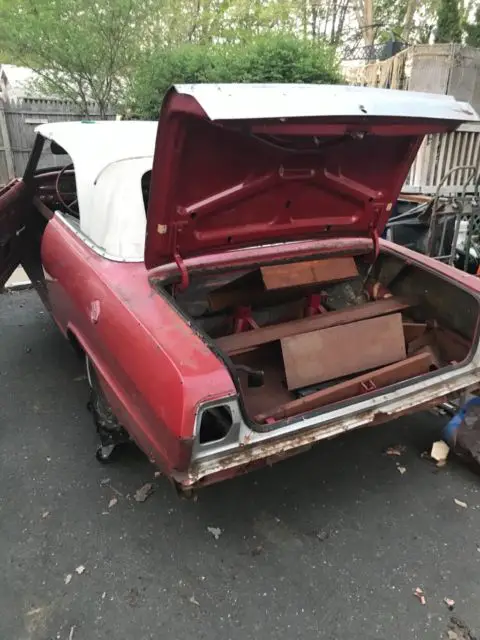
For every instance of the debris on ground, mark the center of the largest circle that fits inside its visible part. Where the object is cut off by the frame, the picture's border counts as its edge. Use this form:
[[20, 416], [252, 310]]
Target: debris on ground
[[418, 593], [450, 603], [401, 469], [157, 474], [72, 631], [112, 503], [396, 450], [215, 531], [193, 601], [142, 494], [68, 578], [80, 569], [439, 452], [460, 503], [323, 535], [45, 514], [257, 550], [459, 630]]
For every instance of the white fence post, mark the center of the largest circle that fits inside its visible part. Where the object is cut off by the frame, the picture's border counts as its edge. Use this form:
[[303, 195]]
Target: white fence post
[[439, 154], [5, 148]]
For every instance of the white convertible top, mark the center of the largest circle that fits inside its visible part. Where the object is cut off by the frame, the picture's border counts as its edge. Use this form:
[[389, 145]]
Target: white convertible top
[[110, 158]]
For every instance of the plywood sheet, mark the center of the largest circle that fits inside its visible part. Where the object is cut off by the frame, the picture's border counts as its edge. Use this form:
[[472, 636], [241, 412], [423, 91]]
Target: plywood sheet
[[239, 342], [311, 272], [331, 353]]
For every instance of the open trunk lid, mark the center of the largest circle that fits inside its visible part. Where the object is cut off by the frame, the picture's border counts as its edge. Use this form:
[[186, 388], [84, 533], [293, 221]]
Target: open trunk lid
[[243, 165]]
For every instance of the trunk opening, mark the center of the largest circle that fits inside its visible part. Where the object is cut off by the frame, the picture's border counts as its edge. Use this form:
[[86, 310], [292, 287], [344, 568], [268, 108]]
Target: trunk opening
[[299, 337]]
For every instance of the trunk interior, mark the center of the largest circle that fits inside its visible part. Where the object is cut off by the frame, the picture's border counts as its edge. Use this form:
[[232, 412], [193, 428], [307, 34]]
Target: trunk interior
[[301, 336]]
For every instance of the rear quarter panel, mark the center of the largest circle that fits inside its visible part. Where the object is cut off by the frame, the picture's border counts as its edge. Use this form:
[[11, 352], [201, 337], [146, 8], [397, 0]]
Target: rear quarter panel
[[154, 369]]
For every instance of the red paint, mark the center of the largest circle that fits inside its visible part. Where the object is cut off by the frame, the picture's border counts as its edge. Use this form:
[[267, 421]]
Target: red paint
[[314, 304], [154, 369], [243, 320], [220, 185]]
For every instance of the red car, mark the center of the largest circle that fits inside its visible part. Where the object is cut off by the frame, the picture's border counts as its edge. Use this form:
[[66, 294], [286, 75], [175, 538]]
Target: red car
[[223, 276]]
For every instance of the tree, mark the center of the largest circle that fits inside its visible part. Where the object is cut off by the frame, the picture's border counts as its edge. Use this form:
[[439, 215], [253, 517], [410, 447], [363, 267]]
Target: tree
[[473, 30], [81, 49], [449, 22], [267, 58]]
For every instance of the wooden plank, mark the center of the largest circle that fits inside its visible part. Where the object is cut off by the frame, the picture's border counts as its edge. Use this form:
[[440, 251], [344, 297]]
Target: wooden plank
[[413, 330], [238, 342], [311, 272], [331, 353], [404, 370]]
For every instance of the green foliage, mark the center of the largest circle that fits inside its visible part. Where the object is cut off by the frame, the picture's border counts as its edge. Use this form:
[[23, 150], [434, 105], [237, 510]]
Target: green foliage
[[449, 22], [272, 58], [80, 48], [473, 30]]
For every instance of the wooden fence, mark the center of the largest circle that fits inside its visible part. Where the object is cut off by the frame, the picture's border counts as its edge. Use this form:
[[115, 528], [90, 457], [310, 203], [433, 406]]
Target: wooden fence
[[17, 130]]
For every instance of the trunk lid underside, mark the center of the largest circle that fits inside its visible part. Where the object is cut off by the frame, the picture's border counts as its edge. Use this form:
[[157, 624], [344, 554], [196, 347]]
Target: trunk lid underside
[[231, 175]]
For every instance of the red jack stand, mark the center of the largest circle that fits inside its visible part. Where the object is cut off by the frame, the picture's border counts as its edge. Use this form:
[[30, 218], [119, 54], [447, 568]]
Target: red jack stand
[[314, 304], [242, 320]]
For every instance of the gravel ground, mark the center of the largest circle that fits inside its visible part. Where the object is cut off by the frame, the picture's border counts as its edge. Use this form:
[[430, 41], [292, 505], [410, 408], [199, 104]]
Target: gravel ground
[[331, 544]]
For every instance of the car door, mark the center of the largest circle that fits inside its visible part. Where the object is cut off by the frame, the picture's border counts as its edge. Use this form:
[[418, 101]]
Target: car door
[[14, 209]]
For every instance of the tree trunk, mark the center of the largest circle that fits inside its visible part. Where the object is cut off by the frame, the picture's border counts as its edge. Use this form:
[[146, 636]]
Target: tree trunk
[[364, 13], [408, 21]]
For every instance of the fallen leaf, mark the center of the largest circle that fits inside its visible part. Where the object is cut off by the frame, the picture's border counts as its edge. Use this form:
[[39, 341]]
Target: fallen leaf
[[396, 450], [80, 569], [440, 450], [215, 531], [193, 601], [401, 469], [112, 503], [68, 577], [460, 503], [418, 593], [142, 494], [450, 603]]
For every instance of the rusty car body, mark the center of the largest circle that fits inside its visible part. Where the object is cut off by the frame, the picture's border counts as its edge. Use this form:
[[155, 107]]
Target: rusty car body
[[187, 260]]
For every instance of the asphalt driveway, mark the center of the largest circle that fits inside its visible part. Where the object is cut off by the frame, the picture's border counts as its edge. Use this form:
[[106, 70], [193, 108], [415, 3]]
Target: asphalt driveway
[[331, 544]]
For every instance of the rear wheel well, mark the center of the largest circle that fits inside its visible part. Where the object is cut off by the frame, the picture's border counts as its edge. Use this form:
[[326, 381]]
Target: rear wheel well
[[75, 343]]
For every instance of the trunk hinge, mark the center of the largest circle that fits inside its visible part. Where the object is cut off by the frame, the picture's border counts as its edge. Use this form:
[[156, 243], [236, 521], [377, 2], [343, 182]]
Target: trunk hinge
[[185, 279]]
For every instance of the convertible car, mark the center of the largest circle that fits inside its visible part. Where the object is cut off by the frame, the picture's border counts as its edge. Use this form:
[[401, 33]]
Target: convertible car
[[223, 274]]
